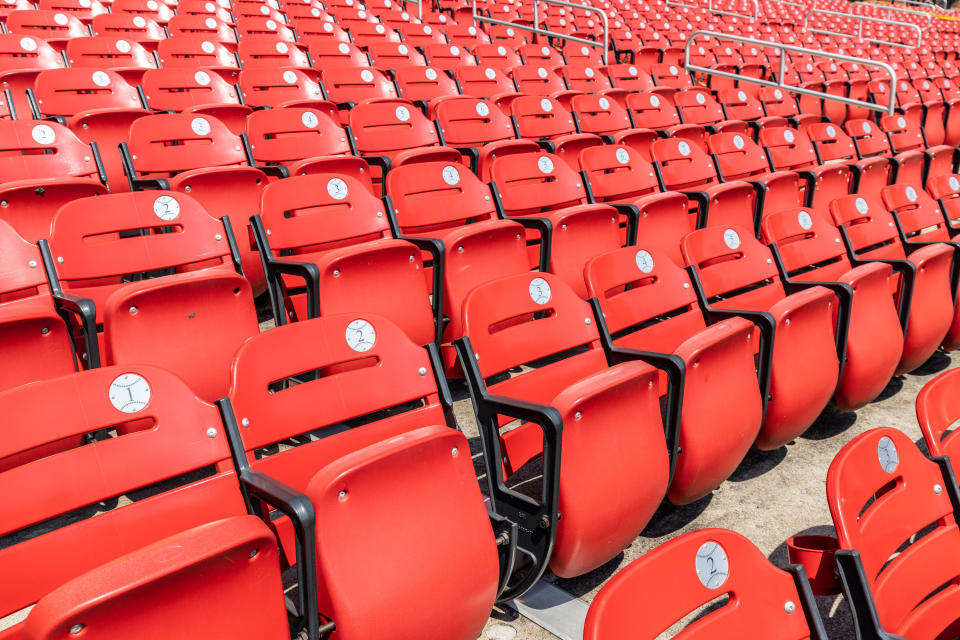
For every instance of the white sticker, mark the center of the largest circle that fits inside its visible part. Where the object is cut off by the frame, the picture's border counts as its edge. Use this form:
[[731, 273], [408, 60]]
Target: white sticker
[[282, 47], [316, 13], [584, 51], [654, 101], [211, 23], [328, 27], [200, 126], [139, 21], [337, 188], [43, 134], [430, 73], [644, 261], [129, 393], [100, 78], [454, 50], [28, 44], [309, 119], [673, 70], [729, 51], [632, 70], [545, 164], [541, 72], [366, 75], [402, 113], [683, 148], [700, 98], [472, 31], [546, 106], [911, 194], [207, 46], [712, 565], [85, 4], [901, 123], [604, 103], [264, 9], [380, 29], [502, 51], [344, 48], [855, 67], [166, 208], [954, 183], [862, 206], [271, 24], [545, 51], [731, 238], [926, 85], [887, 454], [210, 7], [482, 109], [60, 19], [701, 51], [490, 73], [831, 131], [202, 78], [809, 67], [402, 48], [866, 127], [123, 46], [588, 72], [778, 94], [539, 291], [450, 175], [742, 96], [290, 77], [882, 87], [511, 32], [360, 336], [623, 156], [427, 30], [738, 141], [803, 218], [788, 135]]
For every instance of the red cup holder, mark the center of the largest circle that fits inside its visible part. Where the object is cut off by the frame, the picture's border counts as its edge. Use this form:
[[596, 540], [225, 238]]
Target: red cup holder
[[815, 553]]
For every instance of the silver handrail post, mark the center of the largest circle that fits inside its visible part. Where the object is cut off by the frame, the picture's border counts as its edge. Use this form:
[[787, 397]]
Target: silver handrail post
[[860, 21]]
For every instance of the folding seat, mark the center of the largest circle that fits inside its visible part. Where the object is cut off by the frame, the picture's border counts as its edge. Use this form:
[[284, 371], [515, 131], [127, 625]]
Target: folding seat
[[84, 11], [422, 35], [350, 86], [778, 104], [448, 57], [545, 120], [390, 55], [950, 93], [203, 304], [205, 28], [629, 77], [589, 79], [445, 535], [687, 168], [921, 222], [698, 107], [424, 84], [536, 317], [366, 33], [922, 281], [507, 36], [670, 76], [896, 524], [328, 52], [127, 58], [487, 82], [57, 28], [657, 591], [14, 5], [43, 166], [478, 130], [159, 12], [183, 547], [542, 81], [280, 88], [647, 302], [37, 339], [269, 52], [935, 111], [97, 106], [447, 208], [605, 117], [946, 191], [198, 155], [907, 140], [219, 10], [305, 141], [200, 92], [795, 337], [466, 35], [833, 145], [808, 249], [549, 197], [193, 52], [652, 110], [937, 412], [321, 28], [243, 10], [260, 26], [140, 29], [335, 224], [21, 59], [791, 150], [870, 141]]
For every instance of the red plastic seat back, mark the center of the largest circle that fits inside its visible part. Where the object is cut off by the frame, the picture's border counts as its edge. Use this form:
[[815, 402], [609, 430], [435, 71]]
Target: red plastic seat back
[[537, 80], [629, 77], [659, 589], [903, 134], [469, 121], [282, 136], [788, 148], [163, 433], [652, 110], [617, 173], [777, 102], [530, 183], [109, 52], [810, 246], [938, 408], [329, 52], [670, 75], [731, 261], [740, 105], [356, 85], [141, 29], [66, 92], [270, 52], [169, 143], [918, 214], [697, 106], [540, 117], [599, 114], [498, 56], [831, 142], [484, 82], [867, 137], [29, 150], [737, 156], [541, 55], [882, 491], [585, 77], [683, 164], [180, 89], [23, 52], [424, 83], [274, 87], [869, 226], [391, 55], [189, 51], [46, 24], [946, 189], [449, 56], [437, 195], [383, 127]]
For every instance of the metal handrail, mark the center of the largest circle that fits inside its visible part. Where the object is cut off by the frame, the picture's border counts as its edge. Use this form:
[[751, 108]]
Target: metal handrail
[[674, 3], [553, 34], [860, 20], [923, 14], [419, 4], [753, 18], [890, 108]]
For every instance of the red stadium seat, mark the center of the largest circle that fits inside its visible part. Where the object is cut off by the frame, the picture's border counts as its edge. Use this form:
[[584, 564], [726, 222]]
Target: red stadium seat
[[833, 145], [545, 120], [791, 150]]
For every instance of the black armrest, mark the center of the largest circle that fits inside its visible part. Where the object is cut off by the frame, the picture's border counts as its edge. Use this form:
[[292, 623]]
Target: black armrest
[[274, 171], [473, 154], [232, 244], [703, 205], [906, 269], [807, 601], [542, 225], [536, 522], [811, 186], [346, 106], [310, 274], [379, 161], [670, 363], [58, 119], [857, 589], [760, 188], [438, 255], [69, 306], [547, 145], [632, 214]]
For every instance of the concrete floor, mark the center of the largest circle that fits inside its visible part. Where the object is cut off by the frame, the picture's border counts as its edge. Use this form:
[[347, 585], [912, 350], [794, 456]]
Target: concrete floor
[[773, 495]]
